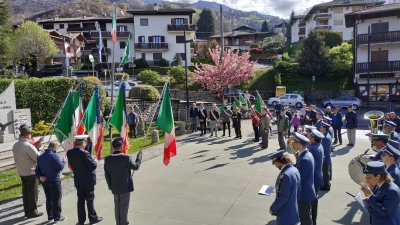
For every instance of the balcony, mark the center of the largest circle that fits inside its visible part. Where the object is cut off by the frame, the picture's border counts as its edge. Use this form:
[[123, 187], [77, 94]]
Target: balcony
[[302, 32], [74, 29], [322, 27], [104, 51], [107, 34], [182, 27], [379, 38], [322, 16], [152, 45], [89, 28], [379, 67], [303, 24], [155, 62]]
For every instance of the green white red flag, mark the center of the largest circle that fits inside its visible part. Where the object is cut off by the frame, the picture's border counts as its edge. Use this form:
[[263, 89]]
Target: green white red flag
[[114, 28], [165, 121], [92, 123], [65, 127], [78, 105], [118, 118], [259, 103]]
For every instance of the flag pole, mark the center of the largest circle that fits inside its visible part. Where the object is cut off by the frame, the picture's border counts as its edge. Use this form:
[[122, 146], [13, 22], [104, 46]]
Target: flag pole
[[112, 70], [154, 113]]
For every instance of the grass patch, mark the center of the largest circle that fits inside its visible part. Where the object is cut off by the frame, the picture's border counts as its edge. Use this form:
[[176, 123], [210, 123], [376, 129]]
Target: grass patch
[[263, 79], [10, 184]]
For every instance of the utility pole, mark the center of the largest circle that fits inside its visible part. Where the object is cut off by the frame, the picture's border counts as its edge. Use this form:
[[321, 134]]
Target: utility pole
[[221, 30], [368, 64]]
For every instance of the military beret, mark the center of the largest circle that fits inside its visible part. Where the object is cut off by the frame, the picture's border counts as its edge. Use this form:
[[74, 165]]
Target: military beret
[[316, 134], [380, 136]]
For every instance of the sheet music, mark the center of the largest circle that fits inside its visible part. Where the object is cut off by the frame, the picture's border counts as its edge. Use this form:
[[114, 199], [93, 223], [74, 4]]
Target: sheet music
[[266, 190], [364, 204]]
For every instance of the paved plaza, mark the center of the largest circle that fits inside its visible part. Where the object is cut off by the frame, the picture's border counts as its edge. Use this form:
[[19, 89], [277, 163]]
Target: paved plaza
[[215, 181]]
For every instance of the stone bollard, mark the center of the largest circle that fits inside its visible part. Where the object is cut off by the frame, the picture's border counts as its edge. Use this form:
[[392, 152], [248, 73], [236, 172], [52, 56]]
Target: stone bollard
[[182, 128], [154, 137]]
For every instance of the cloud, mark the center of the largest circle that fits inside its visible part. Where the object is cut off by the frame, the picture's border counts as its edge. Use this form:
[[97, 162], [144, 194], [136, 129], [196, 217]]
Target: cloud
[[281, 8]]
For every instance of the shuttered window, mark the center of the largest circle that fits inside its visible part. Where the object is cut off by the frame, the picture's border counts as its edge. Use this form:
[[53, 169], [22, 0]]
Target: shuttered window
[[356, 8], [180, 39], [380, 56]]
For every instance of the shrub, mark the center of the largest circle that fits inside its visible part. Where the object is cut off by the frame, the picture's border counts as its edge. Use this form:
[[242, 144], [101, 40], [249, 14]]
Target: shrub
[[163, 63], [277, 78], [275, 61], [178, 74], [145, 92], [45, 96], [288, 73], [195, 60], [6, 73], [40, 128], [254, 45], [258, 50], [141, 63], [92, 79], [149, 77], [331, 38]]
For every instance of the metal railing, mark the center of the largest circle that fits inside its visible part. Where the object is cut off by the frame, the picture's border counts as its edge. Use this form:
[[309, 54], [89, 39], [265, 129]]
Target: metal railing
[[378, 38], [181, 27], [155, 62], [322, 15], [103, 51], [322, 27], [152, 45], [389, 66], [107, 34]]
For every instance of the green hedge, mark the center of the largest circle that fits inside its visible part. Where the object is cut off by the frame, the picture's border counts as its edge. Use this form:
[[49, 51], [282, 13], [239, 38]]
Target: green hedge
[[289, 73], [145, 92], [160, 70], [45, 96]]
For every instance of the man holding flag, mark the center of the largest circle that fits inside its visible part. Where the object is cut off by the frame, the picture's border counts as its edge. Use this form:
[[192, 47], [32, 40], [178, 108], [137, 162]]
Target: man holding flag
[[118, 118]]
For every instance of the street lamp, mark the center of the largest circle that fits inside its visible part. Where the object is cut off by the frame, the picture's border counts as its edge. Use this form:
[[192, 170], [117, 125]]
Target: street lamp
[[186, 72], [91, 59]]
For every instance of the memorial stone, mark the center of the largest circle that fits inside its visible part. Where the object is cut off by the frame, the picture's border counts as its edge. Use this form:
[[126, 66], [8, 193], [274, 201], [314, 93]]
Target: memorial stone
[[24, 117], [7, 106]]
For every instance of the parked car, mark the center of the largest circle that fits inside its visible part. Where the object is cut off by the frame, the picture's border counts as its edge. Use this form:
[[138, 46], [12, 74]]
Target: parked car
[[288, 99], [128, 87], [343, 102], [232, 92]]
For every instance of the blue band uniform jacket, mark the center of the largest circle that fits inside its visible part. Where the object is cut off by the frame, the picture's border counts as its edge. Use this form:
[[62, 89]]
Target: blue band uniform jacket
[[317, 151], [84, 168], [305, 165], [287, 191], [385, 205], [394, 171], [118, 172]]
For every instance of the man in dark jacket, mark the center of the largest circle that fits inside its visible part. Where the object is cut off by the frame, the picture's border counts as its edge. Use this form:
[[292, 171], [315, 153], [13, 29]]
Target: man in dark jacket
[[48, 171], [313, 114], [133, 120], [84, 168], [289, 115], [351, 125], [118, 172], [202, 115], [194, 111], [337, 125], [278, 107]]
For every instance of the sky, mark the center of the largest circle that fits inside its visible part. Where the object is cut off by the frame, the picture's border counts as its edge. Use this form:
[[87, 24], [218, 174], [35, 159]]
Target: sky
[[281, 8]]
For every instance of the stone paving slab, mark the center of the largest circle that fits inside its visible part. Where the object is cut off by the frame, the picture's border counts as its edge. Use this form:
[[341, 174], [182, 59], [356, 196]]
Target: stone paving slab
[[216, 181]]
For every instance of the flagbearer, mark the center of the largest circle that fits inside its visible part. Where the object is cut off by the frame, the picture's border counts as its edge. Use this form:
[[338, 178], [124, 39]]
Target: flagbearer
[[236, 120], [202, 119], [265, 127], [84, 179], [118, 172]]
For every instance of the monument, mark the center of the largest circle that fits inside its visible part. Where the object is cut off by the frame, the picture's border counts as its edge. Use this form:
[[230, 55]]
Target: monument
[[7, 106], [23, 116]]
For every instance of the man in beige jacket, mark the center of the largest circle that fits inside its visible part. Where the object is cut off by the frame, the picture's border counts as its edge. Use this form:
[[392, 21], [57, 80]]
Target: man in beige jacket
[[25, 157], [265, 121]]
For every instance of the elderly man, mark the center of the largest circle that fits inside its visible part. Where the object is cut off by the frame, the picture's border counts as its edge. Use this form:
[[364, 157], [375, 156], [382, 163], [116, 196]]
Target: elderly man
[[337, 123], [214, 117], [48, 169], [265, 127], [247, 95], [202, 115], [328, 112], [25, 157], [118, 172], [133, 120], [282, 127], [194, 112], [84, 167]]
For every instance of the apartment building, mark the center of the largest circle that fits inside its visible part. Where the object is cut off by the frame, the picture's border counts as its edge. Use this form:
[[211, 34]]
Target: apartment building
[[239, 38], [298, 28], [384, 64], [330, 16], [159, 33], [71, 45]]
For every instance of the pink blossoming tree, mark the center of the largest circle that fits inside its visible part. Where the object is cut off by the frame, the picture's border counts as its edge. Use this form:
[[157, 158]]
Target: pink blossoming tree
[[233, 70]]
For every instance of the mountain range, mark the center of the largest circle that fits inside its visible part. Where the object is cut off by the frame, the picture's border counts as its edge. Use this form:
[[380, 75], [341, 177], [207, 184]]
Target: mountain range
[[47, 9]]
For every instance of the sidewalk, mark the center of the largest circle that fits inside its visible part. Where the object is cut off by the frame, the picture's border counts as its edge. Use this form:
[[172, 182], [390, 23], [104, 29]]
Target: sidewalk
[[216, 181]]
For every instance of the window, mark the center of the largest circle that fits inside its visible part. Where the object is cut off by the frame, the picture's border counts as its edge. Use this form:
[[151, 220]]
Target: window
[[284, 97], [180, 39], [157, 39], [293, 96], [122, 28], [141, 39], [61, 26], [338, 22], [143, 55], [48, 26], [144, 22], [356, 8], [122, 44], [338, 10], [179, 21], [183, 56], [157, 56], [105, 43], [380, 27]]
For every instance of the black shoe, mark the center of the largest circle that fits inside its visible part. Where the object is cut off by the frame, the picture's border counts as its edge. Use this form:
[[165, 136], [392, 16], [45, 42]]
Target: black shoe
[[223, 135], [264, 147], [325, 188], [240, 137], [229, 135], [80, 223], [50, 218], [340, 143], [211, 135], [35, 215], [236, 137], [256, 140], [215, 135], [334, 143], [62, 218], [99, 219]]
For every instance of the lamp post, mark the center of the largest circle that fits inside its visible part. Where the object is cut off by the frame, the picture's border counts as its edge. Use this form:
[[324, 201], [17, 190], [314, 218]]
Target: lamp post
[[91, 59], [368, 64], [186, 72]]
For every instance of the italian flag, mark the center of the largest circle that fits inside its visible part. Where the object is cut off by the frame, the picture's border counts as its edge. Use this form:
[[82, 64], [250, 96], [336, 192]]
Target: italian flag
[[165, 121], [259, 103], [78, 105], [92, 123], [118, 118], [114, 28], [236, 105], [125, 57], [65, 128]]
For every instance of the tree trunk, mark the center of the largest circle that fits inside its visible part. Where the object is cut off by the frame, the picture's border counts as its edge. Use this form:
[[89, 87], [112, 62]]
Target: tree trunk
[[222, 97]]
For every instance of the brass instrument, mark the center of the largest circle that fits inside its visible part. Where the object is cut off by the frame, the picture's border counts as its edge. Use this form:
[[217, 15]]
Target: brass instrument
[[290, 147], [373, 117], [357, 165]]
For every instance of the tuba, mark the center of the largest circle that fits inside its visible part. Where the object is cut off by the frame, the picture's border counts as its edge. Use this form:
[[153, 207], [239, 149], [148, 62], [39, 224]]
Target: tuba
[[373, 117], [290, 147]]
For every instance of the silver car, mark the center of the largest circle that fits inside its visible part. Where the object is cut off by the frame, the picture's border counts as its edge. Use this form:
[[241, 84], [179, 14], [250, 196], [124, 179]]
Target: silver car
[[343, 102]]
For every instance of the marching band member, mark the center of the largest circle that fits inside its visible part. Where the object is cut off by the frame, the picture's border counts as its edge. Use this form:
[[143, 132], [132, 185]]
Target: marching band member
[[328, 121], [396, 145], [319, 117], [389, 157], [305, 165], [379, 141], [327, 164], [389, 128], [316, 149], [287, 188], [384, 199], [214, 117], [202, 114]]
